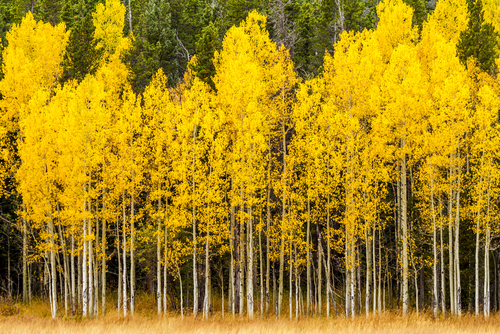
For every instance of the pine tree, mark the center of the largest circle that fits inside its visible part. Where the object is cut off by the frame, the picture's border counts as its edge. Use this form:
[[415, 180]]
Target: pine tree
[[304, 53], [82, 56], [479, 40], [154, 46], [206, 46]]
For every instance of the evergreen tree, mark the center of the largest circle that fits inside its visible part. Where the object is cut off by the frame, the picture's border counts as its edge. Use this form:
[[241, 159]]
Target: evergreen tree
[[478, 40], [304, 51], [82, 56], [353, 15], [206, 47], [236, 11], [154, 46], [419, 11], [51, 10]]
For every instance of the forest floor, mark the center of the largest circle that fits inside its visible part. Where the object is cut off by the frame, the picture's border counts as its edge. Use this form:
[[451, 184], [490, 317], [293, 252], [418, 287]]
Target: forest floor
[[36, 319]]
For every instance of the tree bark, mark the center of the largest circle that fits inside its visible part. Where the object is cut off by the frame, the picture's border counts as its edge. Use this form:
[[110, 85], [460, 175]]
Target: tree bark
[[195, 275], [404, 228], [434, 249], [124, 264], [158, 259], [132, 251], [84, 266], [458, 288], [104, 257], [250, 263]]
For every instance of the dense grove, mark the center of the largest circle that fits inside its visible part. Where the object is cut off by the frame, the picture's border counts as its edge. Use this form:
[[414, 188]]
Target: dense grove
[[254, 172]]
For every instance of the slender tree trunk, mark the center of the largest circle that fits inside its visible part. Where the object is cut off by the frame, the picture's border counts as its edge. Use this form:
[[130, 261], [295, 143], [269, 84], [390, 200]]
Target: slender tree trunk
[[275, 301], [242, 257], [283, 220], [328, 255], [130, 19], [487, 275], [132, 251], [104, 257], [374, 252], [404, 228], [84, 266], [73, 302], [180, 283], [476, 257], [261, 271], [195, 274], [308, 262], [53, 268], [25, 258], [368, 269], [268, 232], [165, 264], [347, 277], [380, 271], [450, 241], [231, 269], [290, 278], [158, 259], [207, 275], [297, 283], [250, 263], [124, 264], [320, 278], [91, 268], [120, 288], [434, 249], [282, 264], [65, 265], [487, 256], [206, 301], [458, 288], [96, 270], [441, 256]]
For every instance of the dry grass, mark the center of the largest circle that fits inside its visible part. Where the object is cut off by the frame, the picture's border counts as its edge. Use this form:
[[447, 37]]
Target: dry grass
[[114, 323], [35, 318]]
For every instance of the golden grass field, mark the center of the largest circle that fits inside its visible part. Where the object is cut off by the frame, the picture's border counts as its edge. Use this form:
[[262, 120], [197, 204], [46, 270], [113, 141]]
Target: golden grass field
[[36, 319], [114, 324]]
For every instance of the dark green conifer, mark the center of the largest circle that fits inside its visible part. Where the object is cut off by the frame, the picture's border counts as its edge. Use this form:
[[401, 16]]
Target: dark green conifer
[[479, 40], [206, 46]]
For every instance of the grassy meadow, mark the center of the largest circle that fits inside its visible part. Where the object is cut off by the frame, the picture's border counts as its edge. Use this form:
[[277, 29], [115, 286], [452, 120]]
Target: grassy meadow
[[35, 318]]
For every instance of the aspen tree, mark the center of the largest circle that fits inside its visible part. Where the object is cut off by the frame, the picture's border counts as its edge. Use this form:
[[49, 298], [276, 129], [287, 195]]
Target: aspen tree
[[404, 90], [31, 61], [484, 148], [249, 46]]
